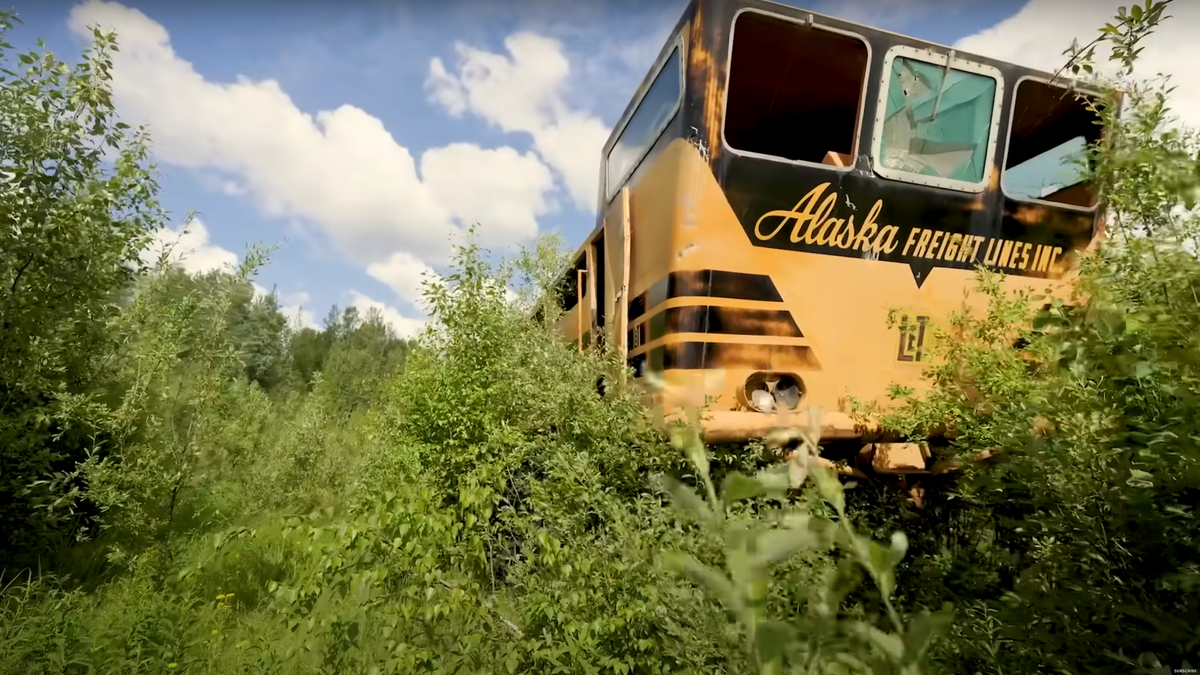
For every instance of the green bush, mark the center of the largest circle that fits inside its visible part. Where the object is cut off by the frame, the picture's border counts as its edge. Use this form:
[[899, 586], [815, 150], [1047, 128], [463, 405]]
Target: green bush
[[212, 491], [1074, 550]]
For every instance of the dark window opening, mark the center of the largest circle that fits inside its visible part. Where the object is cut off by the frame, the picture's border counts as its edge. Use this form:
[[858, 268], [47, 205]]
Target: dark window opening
[[794, 91], [568, 286], [598, 258], [1048, 146]]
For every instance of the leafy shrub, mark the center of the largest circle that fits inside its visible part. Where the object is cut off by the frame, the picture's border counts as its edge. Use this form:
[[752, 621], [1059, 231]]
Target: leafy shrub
[[1074, 550], [246, 497]]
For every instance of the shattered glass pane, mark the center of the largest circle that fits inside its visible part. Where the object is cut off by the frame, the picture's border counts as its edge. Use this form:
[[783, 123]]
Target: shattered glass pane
[[953, 144], [1051, 172]]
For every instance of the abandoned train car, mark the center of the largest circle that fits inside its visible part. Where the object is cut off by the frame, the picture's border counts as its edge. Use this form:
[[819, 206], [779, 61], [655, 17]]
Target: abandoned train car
[[782, 179]]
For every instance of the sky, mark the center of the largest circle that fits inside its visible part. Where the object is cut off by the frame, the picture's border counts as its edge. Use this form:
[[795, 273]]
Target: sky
[[363, 137]]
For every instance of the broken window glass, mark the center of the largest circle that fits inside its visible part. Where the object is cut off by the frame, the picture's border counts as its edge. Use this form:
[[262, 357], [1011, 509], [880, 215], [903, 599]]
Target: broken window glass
[[942, 136], [1049, 173], [1049, 138]]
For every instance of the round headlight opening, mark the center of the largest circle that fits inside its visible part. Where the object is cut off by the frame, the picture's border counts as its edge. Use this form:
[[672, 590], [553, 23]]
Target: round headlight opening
[[767, 392]]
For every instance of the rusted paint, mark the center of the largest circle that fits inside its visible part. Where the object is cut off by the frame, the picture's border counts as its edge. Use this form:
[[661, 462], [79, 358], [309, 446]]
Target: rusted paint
[[715, 320], [728, 264], [1030, 214], [725, 355], [734, 425], [705, 284], [706, 74]]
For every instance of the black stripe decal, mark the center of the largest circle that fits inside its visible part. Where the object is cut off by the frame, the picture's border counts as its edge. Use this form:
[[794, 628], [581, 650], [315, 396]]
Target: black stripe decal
[[718, 320], [705, 284], [713, 355]]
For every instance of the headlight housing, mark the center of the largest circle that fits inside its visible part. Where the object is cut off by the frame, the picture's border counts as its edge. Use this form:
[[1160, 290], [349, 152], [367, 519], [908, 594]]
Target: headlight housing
[[767, 392]]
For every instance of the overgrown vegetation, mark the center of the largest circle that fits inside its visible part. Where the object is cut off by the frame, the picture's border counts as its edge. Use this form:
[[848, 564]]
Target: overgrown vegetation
[[187, 484]]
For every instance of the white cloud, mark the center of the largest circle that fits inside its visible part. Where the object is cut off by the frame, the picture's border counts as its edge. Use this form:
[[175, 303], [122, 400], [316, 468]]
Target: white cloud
[[895, 15], [294, 306], [405, 327], [340, 169], [1037, 35], [404, 274], [511, 296], [189, 247], [508, 193], [525, 92]]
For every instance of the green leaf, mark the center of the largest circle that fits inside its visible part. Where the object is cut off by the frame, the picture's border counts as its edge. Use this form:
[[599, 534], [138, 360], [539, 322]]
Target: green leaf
[[923, 629], [775, 481], [739, 487], [890, 644], [777, 545], [1140, 479], [830, 488], [899, 547], [856, 664], [847, 577], [709, 579], [772, 640], [686, 499], [880, 567]]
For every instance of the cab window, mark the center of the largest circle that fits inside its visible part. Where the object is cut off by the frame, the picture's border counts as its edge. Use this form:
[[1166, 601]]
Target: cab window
[[936, 122], [1052, 129], [568, 286], [646, 124], [795, 91]]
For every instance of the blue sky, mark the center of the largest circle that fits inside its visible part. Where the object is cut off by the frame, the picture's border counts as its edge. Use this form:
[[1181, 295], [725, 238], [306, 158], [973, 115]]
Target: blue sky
[[328, 127]]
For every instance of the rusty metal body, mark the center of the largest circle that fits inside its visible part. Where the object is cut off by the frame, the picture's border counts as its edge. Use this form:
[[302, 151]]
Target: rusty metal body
[[758, 219]]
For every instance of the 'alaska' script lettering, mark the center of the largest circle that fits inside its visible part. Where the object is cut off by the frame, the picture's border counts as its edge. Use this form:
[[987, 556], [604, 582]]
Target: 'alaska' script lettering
[[814, 225]]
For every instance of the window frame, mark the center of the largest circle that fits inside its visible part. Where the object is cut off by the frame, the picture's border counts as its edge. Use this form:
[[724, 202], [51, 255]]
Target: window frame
[[1008, 145], [937, 59], [677, 47], [807, 22], [570, 279]]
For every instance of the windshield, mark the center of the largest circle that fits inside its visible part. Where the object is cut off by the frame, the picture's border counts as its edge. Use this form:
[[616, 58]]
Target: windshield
[[951, 145]]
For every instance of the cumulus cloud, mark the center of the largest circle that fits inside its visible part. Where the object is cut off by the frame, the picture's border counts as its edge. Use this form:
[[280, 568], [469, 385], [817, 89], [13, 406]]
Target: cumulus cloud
[[1037, 35], [405, 327], [404, 274], [340, 169], [896, 15], [189, 247], [295, 307], [510, 188], [525, 92]]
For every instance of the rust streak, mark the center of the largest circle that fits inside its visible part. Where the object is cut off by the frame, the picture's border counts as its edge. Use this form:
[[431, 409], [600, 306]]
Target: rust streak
[[761, 357], [704, 65], [1031, 214]]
